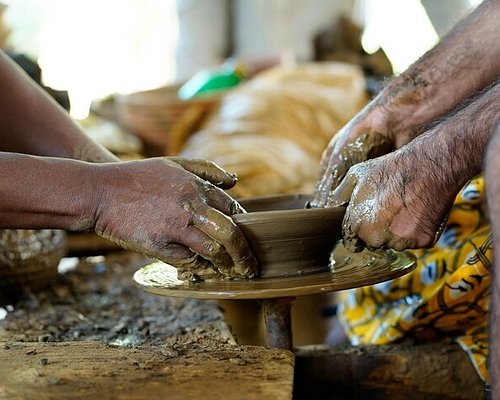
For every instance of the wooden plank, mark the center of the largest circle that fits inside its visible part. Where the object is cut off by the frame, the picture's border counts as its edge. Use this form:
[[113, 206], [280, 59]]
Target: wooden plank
[[93, 370], [404, 371]]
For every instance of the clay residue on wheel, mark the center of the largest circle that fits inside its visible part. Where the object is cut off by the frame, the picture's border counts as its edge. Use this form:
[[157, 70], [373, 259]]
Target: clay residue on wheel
[[341, 258]]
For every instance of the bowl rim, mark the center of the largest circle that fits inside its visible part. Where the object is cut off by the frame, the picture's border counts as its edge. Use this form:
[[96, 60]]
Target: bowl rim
[[315, 213], [273, 215]]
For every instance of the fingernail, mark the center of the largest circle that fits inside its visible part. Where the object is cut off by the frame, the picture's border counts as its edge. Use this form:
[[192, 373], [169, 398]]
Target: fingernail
[[233, 176]]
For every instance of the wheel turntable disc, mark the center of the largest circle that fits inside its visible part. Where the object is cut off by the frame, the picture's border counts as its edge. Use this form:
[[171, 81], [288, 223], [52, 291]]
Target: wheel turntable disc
[[347, 271]]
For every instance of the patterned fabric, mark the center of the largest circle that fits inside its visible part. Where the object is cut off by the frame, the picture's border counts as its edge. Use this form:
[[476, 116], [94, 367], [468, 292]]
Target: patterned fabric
[[446, 295]]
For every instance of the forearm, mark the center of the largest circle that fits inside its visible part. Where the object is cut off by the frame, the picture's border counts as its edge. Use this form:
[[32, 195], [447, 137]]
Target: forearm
[[43, 192], [465, 61], [454, 148], [400, 200], [32, 123], [493, 192]]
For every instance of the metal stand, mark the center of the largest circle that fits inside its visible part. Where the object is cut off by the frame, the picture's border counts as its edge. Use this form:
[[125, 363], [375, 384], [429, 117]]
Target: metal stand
[[278, 322]]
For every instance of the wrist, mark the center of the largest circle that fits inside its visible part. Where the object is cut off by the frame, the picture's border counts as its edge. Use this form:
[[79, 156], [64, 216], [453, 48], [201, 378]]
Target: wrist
[[446, 158], [401, 103], [55, 194], [92, 187], [94, 153]]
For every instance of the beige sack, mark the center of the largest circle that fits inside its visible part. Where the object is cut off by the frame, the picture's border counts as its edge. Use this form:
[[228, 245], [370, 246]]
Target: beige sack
[[272, 130]]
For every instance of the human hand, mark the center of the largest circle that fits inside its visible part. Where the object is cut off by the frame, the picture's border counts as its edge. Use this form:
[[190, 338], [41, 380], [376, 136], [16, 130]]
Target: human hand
[[353, 144], [384, 124], [164, 211], [395, 201], [207, 170]]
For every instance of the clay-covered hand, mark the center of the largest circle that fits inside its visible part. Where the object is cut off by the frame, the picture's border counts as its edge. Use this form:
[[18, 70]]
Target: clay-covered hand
[[383, 125], [392, 202], [160, 209], [353, 144], [207, 170]]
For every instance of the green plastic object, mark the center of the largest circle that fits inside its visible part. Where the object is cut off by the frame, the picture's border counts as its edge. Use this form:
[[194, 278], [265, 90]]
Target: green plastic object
[[207, 82]]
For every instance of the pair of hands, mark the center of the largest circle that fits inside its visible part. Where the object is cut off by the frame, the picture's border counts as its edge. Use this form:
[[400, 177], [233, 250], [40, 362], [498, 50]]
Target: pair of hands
[[394, 200], [176, 211]]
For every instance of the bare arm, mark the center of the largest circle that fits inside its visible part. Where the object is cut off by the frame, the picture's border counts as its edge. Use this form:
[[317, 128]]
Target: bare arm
[[493, 192], [32, 123], [465, 61], [152, 206], [400, 199]]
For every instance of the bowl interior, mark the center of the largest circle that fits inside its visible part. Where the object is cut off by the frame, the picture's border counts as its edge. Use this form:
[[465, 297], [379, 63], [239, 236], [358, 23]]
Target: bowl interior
[[287, 239]]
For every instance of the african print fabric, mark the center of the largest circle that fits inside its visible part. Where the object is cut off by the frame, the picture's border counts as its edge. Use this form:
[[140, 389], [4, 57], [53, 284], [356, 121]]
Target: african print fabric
[[446, 295]]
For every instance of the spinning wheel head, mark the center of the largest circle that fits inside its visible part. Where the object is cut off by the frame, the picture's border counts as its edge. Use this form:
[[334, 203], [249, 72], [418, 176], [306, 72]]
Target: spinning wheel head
[[347, 270]]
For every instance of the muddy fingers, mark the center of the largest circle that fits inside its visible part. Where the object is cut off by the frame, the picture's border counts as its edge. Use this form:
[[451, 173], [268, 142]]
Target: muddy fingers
[[208, 171], [223, 229]]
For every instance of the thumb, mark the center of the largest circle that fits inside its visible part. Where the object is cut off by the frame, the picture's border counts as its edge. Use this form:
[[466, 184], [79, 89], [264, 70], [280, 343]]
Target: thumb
[[207, 170], [342, 194]]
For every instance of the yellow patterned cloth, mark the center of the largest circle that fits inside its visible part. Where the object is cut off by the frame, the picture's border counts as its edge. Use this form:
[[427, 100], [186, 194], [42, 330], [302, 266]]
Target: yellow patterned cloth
[[446, 295]]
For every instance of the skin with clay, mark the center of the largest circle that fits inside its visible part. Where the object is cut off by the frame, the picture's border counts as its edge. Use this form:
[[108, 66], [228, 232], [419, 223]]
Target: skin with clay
[[54, 176], [401, 199], [389, 201], [394, 204]]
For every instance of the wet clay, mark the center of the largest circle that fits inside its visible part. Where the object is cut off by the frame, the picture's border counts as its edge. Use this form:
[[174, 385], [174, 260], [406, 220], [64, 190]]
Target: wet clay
[[286, 238], [346, 271], [365, 147]]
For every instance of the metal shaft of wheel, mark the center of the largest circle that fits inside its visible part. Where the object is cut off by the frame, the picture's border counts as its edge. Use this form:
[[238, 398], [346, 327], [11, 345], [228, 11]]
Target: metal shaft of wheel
[[278, 322]]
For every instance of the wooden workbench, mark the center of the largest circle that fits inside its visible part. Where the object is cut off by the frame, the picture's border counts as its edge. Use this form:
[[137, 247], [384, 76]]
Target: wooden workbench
[[94, 335]]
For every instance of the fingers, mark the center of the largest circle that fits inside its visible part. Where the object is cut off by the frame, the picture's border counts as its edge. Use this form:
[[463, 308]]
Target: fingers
[[342, 194], [222, 229], [359, 228], [189, 264], [209, 249], [325, 159], [332, 176], [208, 171], [202, 259], [220, 200], [350, 230], [359, 232], [342, 155]]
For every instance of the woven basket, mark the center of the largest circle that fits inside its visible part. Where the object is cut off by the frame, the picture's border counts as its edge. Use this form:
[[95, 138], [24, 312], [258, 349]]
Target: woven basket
[[152, 114], [29, 259]]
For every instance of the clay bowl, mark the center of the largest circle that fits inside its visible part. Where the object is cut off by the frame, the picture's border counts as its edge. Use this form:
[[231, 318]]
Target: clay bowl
[[287, 239]]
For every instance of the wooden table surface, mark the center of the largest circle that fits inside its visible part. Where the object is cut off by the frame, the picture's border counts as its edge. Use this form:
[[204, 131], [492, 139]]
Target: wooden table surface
[[93, 335]]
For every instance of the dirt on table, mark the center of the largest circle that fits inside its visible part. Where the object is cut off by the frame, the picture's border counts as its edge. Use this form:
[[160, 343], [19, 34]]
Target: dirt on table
[[93, 370], [99, 301], [51, 343]]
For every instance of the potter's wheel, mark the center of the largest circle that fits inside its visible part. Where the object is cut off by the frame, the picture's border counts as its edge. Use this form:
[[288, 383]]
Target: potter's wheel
[[348, 271], [293, 247]]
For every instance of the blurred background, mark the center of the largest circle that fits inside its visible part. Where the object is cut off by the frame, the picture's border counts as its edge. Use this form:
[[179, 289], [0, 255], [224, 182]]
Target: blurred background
[[259, 86], [93, 48]]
